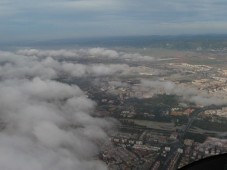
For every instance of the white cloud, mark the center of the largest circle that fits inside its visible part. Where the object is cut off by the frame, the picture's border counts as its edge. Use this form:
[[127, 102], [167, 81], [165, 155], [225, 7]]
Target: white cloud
[[38, 113], [37, 117], [47, 65], [97, 53], [187, 93]]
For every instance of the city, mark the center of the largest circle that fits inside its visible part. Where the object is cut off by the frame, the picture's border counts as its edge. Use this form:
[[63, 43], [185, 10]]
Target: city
[[113, 85], [162, 127]]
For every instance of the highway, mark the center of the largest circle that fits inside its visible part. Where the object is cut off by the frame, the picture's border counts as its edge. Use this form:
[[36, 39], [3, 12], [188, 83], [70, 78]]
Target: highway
[[179, 142]]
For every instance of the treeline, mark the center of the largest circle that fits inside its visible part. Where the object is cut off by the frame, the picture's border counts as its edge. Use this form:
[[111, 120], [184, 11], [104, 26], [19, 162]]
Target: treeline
[[196, 137], [212, 126], [156, 104]]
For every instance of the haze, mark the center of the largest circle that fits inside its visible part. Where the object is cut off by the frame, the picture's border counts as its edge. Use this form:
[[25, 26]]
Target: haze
[[47, 19]]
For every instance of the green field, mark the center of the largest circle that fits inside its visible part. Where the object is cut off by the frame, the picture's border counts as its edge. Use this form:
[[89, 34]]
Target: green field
[[153, 124]]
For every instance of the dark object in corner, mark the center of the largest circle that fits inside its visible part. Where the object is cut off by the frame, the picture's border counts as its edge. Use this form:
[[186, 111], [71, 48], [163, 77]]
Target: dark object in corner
[[218, 162]]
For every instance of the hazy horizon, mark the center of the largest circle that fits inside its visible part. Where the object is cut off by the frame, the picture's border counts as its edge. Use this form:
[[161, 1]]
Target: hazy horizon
[[63, 19]]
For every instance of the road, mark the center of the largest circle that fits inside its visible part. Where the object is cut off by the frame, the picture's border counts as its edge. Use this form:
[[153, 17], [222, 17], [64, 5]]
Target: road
[[179, 142]]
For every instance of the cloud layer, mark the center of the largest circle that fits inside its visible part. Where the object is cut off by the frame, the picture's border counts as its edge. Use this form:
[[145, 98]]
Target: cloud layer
[[51, 64], [97, 53], [48, 124]]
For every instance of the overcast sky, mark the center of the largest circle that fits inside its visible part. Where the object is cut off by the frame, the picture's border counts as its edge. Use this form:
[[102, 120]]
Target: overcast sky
[[51, 19]]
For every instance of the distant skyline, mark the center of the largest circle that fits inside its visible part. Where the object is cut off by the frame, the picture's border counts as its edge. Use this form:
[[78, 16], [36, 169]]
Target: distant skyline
[[62, 19]]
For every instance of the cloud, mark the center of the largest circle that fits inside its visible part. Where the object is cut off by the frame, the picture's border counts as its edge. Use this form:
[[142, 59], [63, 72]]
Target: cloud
[[31, 20], [102, 52], [80, 70], [49, 124], [49, 53], [38, 114], [51, 64], [188, 94], [97, 53]]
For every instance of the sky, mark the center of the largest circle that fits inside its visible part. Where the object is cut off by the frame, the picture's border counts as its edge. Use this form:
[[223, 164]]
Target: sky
[[54, 19]]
